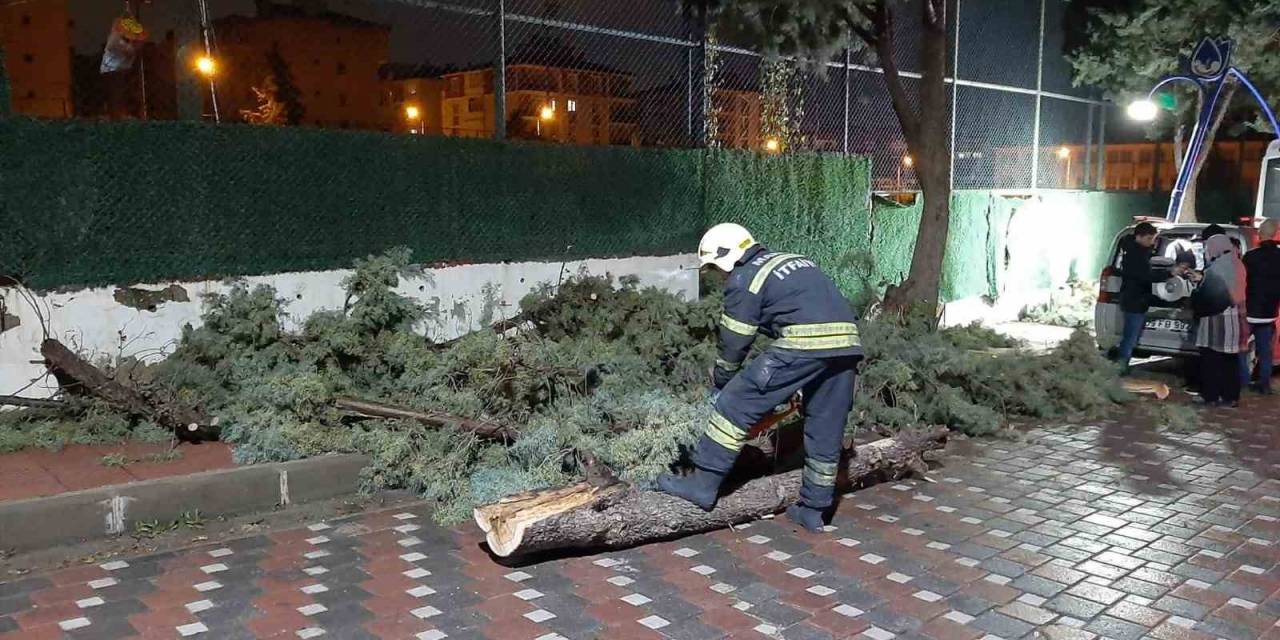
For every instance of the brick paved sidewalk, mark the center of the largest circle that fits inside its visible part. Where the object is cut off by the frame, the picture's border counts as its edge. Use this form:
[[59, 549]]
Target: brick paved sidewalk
[[1108, 531]]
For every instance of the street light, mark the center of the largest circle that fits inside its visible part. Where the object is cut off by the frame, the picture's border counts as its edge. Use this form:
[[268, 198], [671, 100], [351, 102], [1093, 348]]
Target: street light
[[206, 66], [1064, 153], [1211, 71], [772, 145], [546, 114], [413, 113], [1142, 110], [906, 162]]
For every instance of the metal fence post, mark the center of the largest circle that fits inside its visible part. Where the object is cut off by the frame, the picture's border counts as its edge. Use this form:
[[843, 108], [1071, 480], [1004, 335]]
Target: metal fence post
[[703, 96], [688, 94], [1035, 137], [955, 97], [847, 71], [500, 77], [1102, 148], [1087, 180]]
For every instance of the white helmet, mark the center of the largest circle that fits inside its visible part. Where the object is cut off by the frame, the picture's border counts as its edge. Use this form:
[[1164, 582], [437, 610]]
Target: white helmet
[[723, 245]]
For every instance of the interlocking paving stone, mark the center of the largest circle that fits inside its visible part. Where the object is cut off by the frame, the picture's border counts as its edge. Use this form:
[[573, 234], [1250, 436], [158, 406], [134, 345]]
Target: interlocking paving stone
[[1002, 625], [1069, 605], [1109, 627], [1070, 534]]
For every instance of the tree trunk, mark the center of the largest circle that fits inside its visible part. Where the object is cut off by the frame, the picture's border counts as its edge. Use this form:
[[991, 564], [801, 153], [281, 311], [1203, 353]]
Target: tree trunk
[[32, 403], [370, 409], [928, 139], [1188, 213], [586, 516], [81, 378]]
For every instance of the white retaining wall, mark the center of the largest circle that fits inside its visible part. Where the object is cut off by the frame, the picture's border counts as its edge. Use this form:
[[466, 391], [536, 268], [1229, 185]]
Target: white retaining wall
[[463, 298]]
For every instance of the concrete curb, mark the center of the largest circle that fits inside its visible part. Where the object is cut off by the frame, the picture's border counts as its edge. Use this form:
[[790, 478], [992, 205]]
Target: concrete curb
[[38, 523]]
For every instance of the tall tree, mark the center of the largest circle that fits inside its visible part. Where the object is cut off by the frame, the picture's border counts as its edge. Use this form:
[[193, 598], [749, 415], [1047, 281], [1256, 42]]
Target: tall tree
[[282, 89], [817, 30], [1128, 49]]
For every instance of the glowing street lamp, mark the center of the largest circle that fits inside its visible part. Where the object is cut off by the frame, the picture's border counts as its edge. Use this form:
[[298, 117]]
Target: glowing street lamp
[[907, 162], [414, 114], [206, 66], [772, 145], [1064, 154], [546, 114], [1142, 110]]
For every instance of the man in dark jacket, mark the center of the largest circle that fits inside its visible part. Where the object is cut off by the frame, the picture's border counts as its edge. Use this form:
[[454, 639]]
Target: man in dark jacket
[[1262, 299], [815, 350], [1135, 288]]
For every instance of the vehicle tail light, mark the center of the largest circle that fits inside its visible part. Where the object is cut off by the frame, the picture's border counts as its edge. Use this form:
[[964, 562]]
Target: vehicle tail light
[[1105, 293]]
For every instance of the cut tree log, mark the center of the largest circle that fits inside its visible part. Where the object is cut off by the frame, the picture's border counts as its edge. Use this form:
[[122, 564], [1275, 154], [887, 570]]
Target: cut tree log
[[371, 409], [587, 516], [78, 377], [1149, 387]]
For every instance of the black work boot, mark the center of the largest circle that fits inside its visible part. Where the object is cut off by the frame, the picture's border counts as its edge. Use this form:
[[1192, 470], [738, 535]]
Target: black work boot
[[807, 517], [700, 487]]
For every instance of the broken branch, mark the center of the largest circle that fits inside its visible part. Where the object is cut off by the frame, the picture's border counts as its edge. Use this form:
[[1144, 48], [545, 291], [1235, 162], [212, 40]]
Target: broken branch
[[369, 409]]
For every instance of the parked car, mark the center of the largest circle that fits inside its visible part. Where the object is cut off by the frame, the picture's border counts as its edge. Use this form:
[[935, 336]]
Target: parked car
[[1170, 323]]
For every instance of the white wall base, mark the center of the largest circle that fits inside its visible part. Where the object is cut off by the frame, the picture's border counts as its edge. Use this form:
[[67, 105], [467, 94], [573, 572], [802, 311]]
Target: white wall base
[[462, 298]]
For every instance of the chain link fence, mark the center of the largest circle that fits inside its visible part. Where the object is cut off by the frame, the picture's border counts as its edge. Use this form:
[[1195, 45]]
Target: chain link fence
[[582, 72]]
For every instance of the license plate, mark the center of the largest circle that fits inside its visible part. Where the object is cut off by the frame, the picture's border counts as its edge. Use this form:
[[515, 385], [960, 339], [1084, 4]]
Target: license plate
[[1168, 325]]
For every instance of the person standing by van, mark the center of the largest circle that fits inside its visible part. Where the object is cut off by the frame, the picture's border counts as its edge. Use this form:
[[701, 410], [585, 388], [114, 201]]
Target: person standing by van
[[1135, 287], [1221, 332], [1262, 299]]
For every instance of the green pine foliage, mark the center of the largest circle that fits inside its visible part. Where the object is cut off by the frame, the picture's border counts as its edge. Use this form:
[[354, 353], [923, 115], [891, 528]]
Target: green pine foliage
[[1176, 418], [600, 370], [914, 376]]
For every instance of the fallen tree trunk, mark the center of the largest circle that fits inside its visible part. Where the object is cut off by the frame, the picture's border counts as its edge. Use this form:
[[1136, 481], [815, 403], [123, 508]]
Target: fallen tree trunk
[[619, 515], [78, 377], [370, 409], [32, 403]]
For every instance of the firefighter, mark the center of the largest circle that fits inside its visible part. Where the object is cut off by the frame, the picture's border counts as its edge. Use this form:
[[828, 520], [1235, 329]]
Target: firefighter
[[815, 351]]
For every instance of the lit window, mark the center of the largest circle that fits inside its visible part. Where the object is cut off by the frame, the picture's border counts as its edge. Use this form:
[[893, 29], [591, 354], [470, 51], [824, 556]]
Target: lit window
[[553, 104], [573, 106]]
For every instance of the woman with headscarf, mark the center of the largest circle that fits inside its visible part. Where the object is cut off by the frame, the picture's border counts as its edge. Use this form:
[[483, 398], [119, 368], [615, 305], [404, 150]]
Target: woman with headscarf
[[1220, 333]]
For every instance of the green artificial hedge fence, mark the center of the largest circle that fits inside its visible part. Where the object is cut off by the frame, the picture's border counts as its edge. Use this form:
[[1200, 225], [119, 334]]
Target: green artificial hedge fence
[[106, 203], [812, 204], [95, 203]]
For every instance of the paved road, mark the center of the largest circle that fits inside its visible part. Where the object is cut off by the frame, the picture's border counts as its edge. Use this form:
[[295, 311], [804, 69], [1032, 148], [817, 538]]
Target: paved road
[[1111, 530]]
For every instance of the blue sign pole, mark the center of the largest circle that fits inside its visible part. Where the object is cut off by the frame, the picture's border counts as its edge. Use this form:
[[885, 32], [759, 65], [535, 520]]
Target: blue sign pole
[[1210, 70]]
